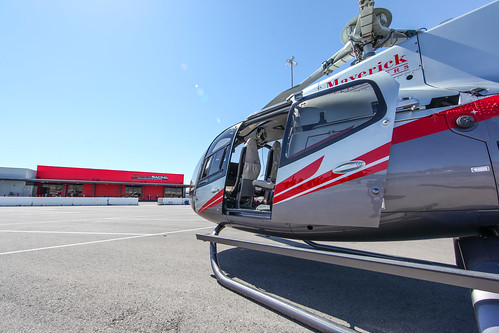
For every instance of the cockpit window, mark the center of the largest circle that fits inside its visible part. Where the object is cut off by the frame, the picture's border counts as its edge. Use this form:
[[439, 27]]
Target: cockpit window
[[217, 155], [322, 120], [214, 162]]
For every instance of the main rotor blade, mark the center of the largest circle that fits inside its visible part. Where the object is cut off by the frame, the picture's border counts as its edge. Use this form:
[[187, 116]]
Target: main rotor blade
[[366, 8]]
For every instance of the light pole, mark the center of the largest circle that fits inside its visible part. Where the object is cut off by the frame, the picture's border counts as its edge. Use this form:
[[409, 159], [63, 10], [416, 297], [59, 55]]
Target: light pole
[[291, 62]]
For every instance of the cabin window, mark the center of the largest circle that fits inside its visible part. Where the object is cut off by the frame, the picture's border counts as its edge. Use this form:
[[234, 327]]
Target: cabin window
[[328, 117], [217, 155]]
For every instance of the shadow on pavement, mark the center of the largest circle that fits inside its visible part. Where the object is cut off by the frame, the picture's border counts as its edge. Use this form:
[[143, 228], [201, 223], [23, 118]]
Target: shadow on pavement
[[370, 301]]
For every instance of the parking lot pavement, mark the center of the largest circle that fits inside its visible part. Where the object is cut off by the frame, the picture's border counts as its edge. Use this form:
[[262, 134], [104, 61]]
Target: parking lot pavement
[[141, 269]]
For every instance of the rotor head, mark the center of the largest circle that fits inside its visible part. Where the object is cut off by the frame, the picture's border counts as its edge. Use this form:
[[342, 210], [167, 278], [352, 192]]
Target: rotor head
[[379, 22]]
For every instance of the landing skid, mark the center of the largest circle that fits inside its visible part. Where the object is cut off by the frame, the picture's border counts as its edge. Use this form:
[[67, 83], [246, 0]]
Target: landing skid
[[337, 249], [406, 267], [288, 309]]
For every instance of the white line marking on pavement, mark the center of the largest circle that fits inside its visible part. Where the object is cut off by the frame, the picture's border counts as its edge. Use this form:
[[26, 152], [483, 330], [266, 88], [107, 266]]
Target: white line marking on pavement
[[52, 221], [74, 232], [103, 241]]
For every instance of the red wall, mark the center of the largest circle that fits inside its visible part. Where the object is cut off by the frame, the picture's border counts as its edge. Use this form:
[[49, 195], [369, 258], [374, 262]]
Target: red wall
[[88, 190], [64, 173], [107, 190], [154, 192]]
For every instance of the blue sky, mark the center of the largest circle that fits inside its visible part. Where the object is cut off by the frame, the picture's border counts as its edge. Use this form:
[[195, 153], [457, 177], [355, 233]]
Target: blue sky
[[145, 85]]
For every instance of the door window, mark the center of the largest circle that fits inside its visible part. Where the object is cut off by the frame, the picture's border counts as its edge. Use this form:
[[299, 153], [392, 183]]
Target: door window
[[327, 117]]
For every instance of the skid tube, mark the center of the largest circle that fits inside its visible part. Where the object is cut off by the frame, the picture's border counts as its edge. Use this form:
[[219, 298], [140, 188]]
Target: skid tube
[[399, 266], [301, 315], [337, 249]]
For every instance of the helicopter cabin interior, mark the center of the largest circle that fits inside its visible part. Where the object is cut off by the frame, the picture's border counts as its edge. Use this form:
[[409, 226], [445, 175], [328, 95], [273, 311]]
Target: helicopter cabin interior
[[252, 170]]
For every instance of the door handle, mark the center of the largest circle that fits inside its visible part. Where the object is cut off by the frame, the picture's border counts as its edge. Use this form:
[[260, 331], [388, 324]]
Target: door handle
[[215, 189], [349, 166]]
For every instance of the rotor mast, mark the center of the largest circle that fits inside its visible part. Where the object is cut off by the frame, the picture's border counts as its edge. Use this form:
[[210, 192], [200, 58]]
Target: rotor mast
[[362, 36]]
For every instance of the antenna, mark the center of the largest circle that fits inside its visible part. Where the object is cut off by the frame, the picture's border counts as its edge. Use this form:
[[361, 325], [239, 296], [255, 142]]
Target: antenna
[[291, 62]]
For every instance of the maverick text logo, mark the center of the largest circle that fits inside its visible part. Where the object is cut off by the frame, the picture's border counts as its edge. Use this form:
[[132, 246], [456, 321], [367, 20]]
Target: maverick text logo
[[397, 65]]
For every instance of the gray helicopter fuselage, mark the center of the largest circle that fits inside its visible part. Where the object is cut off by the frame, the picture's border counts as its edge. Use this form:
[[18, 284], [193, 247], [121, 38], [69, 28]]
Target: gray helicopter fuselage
[[403, 145]]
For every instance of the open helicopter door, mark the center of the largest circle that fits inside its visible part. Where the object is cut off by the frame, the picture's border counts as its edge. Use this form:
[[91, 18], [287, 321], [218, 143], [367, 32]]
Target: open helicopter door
[[207, 190], [335, 155]]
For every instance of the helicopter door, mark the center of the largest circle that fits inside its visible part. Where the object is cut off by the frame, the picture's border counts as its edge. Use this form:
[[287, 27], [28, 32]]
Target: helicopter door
[[335, 155], [209, 188]]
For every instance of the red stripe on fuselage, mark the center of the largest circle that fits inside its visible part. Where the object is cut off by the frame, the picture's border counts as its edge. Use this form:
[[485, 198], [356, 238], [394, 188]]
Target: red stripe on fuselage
[[362, 173], [217, 199], [480, 110], [419, 128], [369, 157], [298, 177]]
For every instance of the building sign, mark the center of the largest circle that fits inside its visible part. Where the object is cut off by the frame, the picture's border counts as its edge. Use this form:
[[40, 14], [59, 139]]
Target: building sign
[[102, 175], [149, 177]]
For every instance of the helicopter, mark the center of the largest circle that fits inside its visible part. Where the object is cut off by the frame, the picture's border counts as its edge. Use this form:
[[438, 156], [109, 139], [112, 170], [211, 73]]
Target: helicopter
[[401, 145]]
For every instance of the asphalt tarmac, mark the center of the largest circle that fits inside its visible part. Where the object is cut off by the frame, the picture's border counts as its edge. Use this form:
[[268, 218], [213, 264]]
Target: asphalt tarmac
[[141, 269]]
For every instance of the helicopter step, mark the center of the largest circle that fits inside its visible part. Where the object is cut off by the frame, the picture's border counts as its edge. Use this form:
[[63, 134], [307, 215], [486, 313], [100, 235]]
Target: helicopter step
[[481, 282]]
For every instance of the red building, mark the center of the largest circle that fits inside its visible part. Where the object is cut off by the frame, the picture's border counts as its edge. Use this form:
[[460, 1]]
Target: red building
[[79, 182]]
